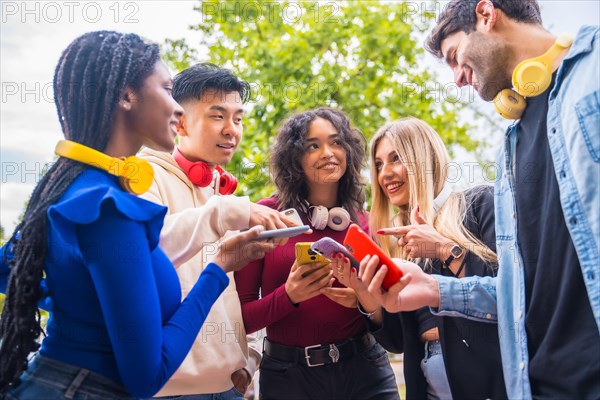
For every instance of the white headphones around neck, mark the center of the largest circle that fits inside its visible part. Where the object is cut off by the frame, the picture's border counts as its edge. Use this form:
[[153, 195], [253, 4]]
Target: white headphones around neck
[[438, 202], [441, 198], [321, 217]]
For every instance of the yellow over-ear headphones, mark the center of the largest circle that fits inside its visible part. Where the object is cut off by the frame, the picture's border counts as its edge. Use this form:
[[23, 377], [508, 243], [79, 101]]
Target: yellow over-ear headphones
[[530, 78], [135, 175]]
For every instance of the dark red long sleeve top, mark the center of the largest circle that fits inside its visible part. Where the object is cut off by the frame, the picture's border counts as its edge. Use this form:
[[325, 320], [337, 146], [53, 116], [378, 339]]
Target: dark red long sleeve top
[[261, 288]]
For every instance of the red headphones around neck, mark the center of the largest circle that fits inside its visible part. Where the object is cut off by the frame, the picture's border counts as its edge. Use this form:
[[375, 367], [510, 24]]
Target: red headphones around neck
[[202, 175]]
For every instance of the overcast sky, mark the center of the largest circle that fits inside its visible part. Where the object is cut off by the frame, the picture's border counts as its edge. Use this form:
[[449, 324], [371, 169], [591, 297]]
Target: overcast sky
[[34, 33]]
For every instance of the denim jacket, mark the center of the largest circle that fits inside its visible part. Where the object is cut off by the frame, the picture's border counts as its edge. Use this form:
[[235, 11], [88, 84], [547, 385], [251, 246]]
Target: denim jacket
[[574, 137]]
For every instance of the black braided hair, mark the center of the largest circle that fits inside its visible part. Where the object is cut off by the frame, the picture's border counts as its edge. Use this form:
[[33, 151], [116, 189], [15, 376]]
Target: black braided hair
[[89, 80]]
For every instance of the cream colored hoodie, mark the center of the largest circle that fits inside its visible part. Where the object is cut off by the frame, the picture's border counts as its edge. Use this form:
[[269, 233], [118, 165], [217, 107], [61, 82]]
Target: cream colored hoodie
[[195, 221]]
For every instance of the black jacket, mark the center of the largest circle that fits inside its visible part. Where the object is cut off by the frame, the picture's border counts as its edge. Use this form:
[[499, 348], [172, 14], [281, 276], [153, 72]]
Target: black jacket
[[471, 349]]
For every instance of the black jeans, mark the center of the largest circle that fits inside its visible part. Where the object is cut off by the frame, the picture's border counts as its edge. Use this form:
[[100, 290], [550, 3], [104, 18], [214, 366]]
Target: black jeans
[[366, 375]]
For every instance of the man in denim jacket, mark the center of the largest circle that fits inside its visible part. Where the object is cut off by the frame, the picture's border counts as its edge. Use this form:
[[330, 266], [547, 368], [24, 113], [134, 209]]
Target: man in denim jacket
[[546, 297]]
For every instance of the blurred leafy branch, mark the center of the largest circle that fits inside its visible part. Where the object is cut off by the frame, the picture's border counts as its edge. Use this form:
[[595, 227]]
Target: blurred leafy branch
[[364, 57]]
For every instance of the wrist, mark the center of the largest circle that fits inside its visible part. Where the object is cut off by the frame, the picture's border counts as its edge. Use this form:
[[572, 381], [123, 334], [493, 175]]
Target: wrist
[[223, 259], [444, 250], [368, 314], [221, 264], [289, 296], [452, 251], [433, 290]]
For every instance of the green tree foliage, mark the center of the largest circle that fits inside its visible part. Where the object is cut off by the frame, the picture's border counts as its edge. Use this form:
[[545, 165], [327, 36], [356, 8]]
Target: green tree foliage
[[364, 57]]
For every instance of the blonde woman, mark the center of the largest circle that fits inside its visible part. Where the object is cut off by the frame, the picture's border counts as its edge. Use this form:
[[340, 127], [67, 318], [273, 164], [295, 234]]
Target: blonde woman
[[417, 217]]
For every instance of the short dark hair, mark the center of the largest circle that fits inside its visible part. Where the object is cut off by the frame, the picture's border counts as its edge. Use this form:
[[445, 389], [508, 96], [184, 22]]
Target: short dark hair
[[290, 146], [192, 83], [459, 15]]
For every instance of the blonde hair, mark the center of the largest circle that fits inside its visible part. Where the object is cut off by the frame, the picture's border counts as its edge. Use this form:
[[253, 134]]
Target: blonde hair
[[426, 159]]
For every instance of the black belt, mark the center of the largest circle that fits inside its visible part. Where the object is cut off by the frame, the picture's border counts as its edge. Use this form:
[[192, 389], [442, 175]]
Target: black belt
[[314, 356]]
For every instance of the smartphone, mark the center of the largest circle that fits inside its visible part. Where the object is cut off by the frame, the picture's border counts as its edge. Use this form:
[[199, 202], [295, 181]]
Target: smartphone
[[283, 233], [360, 245], [328, 247], [304, 255], [292, 214]]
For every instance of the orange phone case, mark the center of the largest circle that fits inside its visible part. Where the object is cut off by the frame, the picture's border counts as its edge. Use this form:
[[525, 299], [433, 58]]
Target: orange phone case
[[360, 245], [304, 255]]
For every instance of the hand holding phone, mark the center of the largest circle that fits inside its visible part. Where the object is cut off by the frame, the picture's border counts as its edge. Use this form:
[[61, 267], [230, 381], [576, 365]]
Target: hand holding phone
[[361, 245], [293, 215], [328, 247], [299, 286], [283, 233], [304, 255], [239, 249]]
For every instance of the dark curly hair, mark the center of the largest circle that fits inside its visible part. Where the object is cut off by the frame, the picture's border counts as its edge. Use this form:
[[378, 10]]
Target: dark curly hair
[[89, 80], [289, 148], [460, 16]]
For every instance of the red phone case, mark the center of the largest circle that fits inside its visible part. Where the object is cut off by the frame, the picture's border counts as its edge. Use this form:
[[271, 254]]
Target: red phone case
[[360, 245]]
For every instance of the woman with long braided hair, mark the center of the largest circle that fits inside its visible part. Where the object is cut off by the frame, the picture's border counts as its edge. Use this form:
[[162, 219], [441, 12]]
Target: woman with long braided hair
[[117, 327]]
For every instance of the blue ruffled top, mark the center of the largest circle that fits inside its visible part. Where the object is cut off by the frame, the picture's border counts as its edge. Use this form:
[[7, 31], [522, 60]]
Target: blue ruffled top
[[115, 297]]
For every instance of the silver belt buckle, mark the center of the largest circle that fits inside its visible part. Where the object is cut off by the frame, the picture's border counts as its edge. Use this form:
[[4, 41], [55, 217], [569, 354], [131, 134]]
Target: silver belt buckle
[[334, 353], [308, 356]]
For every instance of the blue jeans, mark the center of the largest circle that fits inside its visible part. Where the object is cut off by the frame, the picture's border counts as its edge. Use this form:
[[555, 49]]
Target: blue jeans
[[231, 394], [46, 378], [434, 370]]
